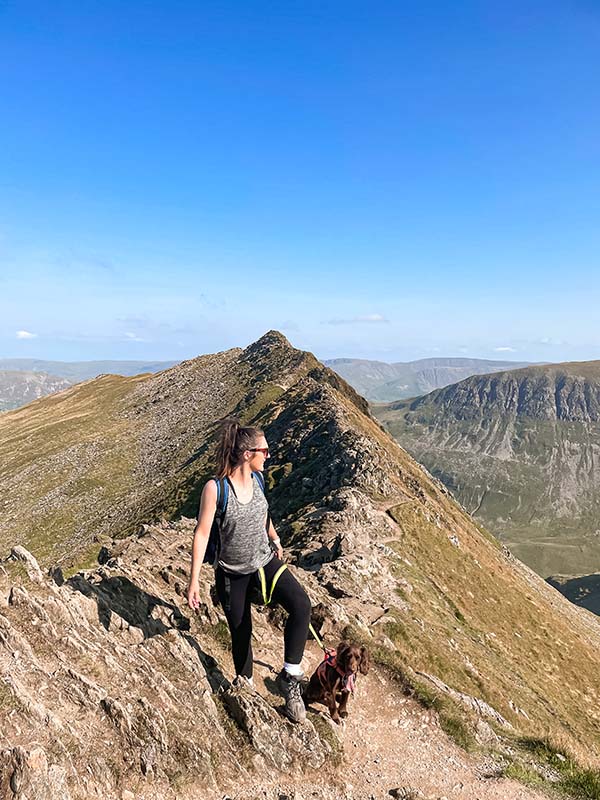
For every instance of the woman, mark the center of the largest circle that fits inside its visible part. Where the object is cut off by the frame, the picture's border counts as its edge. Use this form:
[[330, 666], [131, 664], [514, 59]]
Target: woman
[[245, 546]]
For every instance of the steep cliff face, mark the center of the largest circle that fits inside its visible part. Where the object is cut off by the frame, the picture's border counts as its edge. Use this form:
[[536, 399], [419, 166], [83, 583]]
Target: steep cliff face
[[385, 553], [571, 394], [19, 388], [521, 450]]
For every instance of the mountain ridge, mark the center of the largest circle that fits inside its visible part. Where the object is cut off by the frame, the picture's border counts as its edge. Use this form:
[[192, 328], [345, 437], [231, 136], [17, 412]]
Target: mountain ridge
[[76, 371], [387, 556], [566, 391]]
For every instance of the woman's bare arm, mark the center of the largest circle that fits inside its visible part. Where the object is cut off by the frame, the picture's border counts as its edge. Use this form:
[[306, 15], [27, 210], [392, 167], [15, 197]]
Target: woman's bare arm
[[206, 515]]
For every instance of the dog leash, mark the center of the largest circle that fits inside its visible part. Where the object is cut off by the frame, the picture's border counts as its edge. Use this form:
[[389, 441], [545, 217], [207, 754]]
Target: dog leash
[[329, 653], [268, 596], [317, 638]]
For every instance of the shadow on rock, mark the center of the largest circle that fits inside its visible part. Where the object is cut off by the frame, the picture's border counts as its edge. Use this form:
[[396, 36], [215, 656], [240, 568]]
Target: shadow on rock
[[123, 604], [118, 595]]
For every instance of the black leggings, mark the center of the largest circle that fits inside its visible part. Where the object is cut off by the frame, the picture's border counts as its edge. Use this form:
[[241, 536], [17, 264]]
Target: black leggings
[[233, 593]]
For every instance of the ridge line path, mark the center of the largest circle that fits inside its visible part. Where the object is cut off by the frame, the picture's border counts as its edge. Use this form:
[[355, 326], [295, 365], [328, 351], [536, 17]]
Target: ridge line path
[[390, 742]]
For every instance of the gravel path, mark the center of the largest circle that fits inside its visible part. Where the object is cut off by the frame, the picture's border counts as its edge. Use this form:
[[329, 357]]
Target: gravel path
[[391, 744]]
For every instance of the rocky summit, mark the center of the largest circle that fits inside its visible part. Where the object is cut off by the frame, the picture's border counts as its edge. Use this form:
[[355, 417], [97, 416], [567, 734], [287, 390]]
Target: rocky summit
[[519, 450], [111, 687]]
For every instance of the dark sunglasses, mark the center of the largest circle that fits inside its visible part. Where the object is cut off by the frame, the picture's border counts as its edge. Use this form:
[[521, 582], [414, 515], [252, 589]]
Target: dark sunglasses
[[263, 450]]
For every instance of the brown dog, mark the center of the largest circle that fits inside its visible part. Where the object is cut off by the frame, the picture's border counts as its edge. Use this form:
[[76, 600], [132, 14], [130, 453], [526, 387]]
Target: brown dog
[[333, 680]]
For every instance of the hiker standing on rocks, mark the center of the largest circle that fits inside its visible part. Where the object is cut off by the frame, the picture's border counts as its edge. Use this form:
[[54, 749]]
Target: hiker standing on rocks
[[248, 542]]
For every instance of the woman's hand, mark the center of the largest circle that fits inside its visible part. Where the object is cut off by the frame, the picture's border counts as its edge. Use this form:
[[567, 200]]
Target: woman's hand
[[277, 548], [193, 595]]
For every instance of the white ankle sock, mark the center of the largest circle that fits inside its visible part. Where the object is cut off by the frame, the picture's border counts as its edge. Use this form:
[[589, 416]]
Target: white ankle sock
[[293, 669]]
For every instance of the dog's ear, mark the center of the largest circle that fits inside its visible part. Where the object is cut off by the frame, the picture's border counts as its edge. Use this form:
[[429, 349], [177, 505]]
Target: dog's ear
[[341, 654], [365, 660]]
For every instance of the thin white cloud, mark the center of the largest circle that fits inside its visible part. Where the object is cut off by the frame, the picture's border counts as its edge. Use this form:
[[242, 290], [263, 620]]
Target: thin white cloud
[[26, 335], [504, 350], [553, 342], [66, 336], [368, 318]]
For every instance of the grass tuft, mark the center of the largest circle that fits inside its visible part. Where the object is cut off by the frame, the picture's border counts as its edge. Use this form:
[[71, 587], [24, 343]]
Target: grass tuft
[[458, 730], [327, 734], [540, 762], [220, 632]]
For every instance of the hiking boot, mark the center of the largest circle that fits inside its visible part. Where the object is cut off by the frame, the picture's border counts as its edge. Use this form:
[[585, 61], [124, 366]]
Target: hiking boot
[[290, 687]]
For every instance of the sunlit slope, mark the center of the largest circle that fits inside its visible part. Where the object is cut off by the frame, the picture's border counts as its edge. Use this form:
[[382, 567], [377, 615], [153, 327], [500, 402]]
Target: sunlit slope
[[114, 452], [454, 604], [386, 548], [520, 450]]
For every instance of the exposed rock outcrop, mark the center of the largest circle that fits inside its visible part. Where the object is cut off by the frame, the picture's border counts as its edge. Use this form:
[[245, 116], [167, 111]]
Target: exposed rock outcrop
[[104, 652]]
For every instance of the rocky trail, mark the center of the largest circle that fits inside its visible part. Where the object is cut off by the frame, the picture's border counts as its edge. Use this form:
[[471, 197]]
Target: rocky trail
[[390, 747]]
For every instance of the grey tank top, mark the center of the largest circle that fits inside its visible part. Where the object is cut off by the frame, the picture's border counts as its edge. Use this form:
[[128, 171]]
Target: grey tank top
[[244, 542]]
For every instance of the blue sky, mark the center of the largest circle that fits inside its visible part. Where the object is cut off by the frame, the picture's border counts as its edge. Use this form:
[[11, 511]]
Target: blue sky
[[389, 180]]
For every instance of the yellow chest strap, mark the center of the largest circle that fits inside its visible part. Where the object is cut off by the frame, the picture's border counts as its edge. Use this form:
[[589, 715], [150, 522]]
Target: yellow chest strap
[[268, 596]]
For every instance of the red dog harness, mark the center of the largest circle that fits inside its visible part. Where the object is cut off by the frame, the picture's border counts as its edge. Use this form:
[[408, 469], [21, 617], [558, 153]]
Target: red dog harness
[[331, 661]]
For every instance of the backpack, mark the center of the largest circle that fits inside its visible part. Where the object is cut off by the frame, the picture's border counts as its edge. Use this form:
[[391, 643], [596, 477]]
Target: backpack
[[213, 545]]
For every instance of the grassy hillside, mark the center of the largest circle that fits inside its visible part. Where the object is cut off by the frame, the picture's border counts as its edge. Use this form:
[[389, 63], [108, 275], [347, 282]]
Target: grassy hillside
[[110, 454]]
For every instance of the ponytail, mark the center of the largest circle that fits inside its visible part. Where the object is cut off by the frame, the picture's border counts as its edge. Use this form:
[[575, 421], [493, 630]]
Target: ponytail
[[233, 440]]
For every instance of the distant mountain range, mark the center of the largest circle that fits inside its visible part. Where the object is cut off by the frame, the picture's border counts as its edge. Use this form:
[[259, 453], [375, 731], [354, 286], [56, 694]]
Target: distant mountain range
[[379, 381], [19, 388], [521, 451], [375, 380], [76, 371], [25, 379]]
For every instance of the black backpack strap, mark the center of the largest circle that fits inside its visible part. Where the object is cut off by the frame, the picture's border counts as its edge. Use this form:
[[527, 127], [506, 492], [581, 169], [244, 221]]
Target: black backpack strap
[[222, 496]]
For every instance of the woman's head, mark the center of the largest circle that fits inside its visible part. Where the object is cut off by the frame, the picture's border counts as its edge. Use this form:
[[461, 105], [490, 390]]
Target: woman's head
[[238, 445]]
